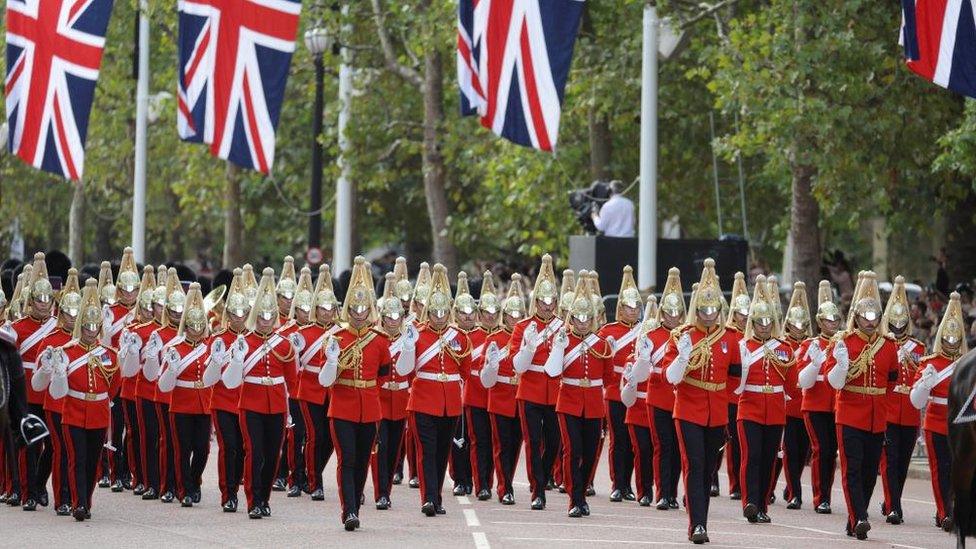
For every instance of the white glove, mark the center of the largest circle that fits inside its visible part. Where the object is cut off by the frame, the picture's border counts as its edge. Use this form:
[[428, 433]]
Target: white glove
[[233, 375], [238, 350], [561, 340], [837, 376], [107, 320], [841, 355], [410, 337], [554, 363], [676, 370], [611, 341], [42, 377], [684, 347], [332, 350], [218, 348], [628, 389], [530, 338], [919, 395], [47, 360], [645, 348], [489, 372], [815, 354], [153, 347], [929, 375], [58, 387], [297, 341], [167, 380], [330, 370]]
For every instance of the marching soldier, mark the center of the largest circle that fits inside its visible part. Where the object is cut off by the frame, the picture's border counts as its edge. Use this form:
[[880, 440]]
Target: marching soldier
[[638, 422], [903, 418], [498, 375], [931, 392], [818, 400], [567, 293], [291, 466], [260, 364], [313, 398], [417, 303], [124, 313], [796, 443], [736, 326], [767, 369], [858, 366], [465, 314], [476, 418], [697, 362]]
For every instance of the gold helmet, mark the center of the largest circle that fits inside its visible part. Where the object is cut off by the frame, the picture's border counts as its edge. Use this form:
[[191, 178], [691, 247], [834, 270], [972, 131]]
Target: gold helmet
[[147, 288], [175, 296], [128, 272], [567, 290], [952, 329], [195, 315], [464, 302], [422, 287], [545, 285], [651, 319], [304, 294], [106, 288], [287, 283], [897, 311], [21, 295], [629, 295], [826, 308], [40, 286], [70, 301], [867, 300], [359, 295], [390, 305], [324, 293], [265, 304], [160, 293], [761, 309], [596, 295], [401, 280], [707, 298], [488, 303], [798, 313], [673, 297], [439, 302], [237, 303], [740, 299], [772, 294], [583, 308], [514, 304], [90, 317], [249, 284]]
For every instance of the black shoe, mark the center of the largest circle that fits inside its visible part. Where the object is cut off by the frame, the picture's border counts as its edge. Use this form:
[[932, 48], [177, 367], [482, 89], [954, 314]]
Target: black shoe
[[575, 512], [4, 497], [428, 509], [265, 509], [280, 485], [139, 490], [698, 535], [254, 513], [751, 512], [551, 484], [644, 501], [735, 496], [616, 496], [673, 503], [196, 496], [383, 503], [230, 506], [861, 529], [104, 482], [947, 524], [662, 504], [630, 496], [42, 499], [167, 497], [351, 522], [508, 499], [117, 486], [772, 499], [484, 494], [14, 499], [794, 503], [29, 505], [318, 495], [823, 508], [538, 504], [63, 510], [397, 478], [80, 514], [150, 494], [295, 492], [440, 510], [127, 484], [586, 509], [561, 488], [187, 501], [414, 482], [763, 518], [590, 491], [458, 489], [894, 517], [714, 492]]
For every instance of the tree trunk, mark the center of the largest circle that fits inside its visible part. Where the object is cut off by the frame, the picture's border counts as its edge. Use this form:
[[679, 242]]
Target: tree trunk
[[435, 174], [233, 224], [959, 243], [76, 225], [600, 146], [805, 231]]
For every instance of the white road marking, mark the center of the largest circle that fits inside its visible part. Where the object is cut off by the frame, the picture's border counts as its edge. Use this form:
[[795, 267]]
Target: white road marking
[[480, 540], [633, 542], [463, 500], [654, 529], [471, 518]]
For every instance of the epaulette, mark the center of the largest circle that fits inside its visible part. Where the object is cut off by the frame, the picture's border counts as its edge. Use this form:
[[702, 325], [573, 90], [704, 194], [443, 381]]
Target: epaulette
[[930, 357], [218, 332]]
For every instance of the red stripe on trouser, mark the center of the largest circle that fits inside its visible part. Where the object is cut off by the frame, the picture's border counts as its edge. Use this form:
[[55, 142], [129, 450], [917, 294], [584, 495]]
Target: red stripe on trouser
[[69, 447], [221, 458], [135, 474], [248, 459], [338, 452], [528, 448], [473, 449], [599, 450], [412, 417], [143, 454], [815, 456], [164, 443], [57, 447], [851, 518], [374, 467], [496, 449], [177, 458], [934, 468], [22, 473], [655, 452], [291, 440], [638, 462], [311, 448], [567, 458], [410, 449], [743, 463], [883, 466], [610, 453], [684, 469]]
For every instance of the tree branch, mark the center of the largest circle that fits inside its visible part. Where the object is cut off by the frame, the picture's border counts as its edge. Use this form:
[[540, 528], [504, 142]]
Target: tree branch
[[409, 74], [707, 10]]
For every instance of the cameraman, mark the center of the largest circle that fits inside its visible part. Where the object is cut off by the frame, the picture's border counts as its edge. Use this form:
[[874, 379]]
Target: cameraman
[[616, 217]]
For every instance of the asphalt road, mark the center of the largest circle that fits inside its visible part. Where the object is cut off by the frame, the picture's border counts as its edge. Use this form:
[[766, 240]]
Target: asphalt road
[[125, 520]]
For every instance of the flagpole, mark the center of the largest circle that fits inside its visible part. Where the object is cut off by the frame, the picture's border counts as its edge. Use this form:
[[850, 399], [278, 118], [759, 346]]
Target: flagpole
[[342, 244], [647, 220], [142, 112]]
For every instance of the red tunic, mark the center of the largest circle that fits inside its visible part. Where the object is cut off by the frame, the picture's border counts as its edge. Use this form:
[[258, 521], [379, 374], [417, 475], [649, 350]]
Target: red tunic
[[394, 388], [794, 405], [501, 396], [580, 391], [621, 354], [534, 385], [820, 397], [436, 386], [660, 393], [286, 329], [355, 395], [861, 403], [637, 414], [700, 397], [166, 334], [221, 397], [475, 393], [144, 388], [57, 338], [266, 370], [87, 402], [764, 398], [189, 396], [27, 334], [937, 410], [733, 381], [900, 409], [121, 318], [312, 360]]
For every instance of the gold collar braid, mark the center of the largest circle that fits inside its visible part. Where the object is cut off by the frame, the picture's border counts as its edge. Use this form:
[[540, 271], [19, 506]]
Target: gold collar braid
[[863, 360], [701, 352]]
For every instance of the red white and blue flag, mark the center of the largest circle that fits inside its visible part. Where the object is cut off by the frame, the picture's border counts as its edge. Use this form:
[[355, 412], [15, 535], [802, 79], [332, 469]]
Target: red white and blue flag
[[234, 57], [939, 37], [54, 52], [513, 62]]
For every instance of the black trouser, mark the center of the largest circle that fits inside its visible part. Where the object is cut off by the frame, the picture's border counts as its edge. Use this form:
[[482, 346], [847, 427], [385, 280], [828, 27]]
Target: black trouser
[[667, 460], [581, 440], [940, 462], [479, 438], [119, 465], [264, 435], [353, 444], [621, 452], [192, 445], [460, 461], [640, 441], [84, 446], [11, 462], [318, 441], [899, 442], [733, 450], [759, 444], [860, 455], [389, 439], [823, 445], [433, 435], [59, 467], [35, 463], [294, 448], [132, 445], [230, 453], [506, 437], [699, 451], [796, 448], [167, 457], [540, 429]]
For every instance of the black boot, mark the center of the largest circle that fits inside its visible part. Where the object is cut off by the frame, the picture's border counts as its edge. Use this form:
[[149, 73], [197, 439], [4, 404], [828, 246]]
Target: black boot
[[616, 496], [823, 508], [538, 504], [80, 514], [698, 535], [428, 509], [575, 512], [318, 495], [383, 503], [351, 522]]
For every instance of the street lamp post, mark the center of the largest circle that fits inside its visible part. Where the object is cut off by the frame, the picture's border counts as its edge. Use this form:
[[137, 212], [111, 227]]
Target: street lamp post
[[317, 41]]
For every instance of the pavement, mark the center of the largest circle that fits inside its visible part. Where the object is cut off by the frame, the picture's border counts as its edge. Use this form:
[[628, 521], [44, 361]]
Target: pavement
[[125, 520]]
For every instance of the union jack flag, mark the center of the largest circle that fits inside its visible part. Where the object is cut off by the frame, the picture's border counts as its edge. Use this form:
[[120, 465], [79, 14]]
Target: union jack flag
[[939, 37], [513, 61], [234, 57], [54, 51]]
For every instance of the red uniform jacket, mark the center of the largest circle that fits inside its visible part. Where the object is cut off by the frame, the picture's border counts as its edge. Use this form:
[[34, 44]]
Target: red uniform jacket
[[394, 388], [269, 364], [221, 397], [764, 398], [700, 397], [637, 414], [475, 393], [436, 386], [534, 385], [30, 332], [355, 394], [735, 374], [120, 320], [312, 359], [937, 410], [794, 405], [286, 329], [820, 397], [501, 397], [580, 393], [89, 390], [624, 337], [144, 388], [861, 403], [900, 409], [190, 396], [57, 338], [660, 393], [166, 334]]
